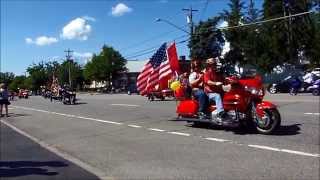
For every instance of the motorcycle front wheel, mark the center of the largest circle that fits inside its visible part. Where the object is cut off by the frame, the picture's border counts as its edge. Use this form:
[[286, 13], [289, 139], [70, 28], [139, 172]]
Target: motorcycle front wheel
[[272, 89], [269, 122]]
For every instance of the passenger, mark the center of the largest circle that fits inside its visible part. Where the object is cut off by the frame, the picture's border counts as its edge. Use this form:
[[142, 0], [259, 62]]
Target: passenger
[[196, 83], [185, 84], [213, 86]]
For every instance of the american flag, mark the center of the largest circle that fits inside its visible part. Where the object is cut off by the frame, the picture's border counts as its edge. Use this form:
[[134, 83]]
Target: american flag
[[154, 71]]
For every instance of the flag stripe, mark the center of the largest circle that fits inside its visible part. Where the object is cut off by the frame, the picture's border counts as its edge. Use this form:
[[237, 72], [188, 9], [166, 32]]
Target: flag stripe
[[157, 70], [143, 78]]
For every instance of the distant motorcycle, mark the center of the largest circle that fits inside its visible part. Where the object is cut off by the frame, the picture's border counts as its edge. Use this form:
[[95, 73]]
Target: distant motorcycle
[[315, 88], [285, 86], [68, 97]]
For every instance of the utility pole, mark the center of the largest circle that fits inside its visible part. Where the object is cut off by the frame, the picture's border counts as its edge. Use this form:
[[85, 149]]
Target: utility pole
[[68, 58], [189, 17], [287, 11]]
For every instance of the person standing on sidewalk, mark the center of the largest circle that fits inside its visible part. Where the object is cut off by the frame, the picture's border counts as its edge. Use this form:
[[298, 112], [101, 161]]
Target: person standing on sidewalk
[[4, 99]]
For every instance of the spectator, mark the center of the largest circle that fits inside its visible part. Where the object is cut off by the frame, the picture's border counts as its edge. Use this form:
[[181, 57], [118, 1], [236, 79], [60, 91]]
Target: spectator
[[4, 99]]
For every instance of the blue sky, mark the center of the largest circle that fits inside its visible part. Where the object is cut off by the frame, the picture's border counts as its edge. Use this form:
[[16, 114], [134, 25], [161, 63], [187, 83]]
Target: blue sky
[[35, 30]]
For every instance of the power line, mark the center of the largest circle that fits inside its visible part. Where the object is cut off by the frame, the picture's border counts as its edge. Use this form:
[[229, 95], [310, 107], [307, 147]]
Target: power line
[[148, 50], [261, 22], [152, 49], [237, 26], [264, 21], [148, 40]]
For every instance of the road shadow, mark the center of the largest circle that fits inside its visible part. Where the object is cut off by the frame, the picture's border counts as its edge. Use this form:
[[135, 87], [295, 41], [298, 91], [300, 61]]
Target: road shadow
[[286, 130], [23, 168], [79, 103], [17, 115], [293, 129]]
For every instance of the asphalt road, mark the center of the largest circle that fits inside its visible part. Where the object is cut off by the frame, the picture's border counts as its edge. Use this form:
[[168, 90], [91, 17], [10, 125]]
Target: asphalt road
[[127, 137], [21, 158]]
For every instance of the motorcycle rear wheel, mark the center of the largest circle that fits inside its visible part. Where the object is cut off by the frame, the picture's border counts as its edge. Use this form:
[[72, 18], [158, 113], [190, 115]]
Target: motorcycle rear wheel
[[316, 92], [271, 122]]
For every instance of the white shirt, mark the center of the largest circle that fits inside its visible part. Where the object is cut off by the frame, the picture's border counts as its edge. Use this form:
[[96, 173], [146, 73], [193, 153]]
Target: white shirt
[[308, 78], [192, 77]]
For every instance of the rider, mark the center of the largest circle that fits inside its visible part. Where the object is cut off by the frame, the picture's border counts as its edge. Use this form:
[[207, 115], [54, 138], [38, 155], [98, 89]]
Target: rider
[[213, 85], [309, 77], [196, 83]]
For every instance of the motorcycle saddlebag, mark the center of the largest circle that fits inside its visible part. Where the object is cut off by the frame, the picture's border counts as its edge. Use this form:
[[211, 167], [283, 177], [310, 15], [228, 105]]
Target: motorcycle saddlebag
[[188, 108]]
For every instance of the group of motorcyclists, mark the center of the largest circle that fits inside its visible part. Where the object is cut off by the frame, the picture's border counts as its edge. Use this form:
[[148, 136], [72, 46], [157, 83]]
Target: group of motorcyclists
[[205, 85], [58, 92]]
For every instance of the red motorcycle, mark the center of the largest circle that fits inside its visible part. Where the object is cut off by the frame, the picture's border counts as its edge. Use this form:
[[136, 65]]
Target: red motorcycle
[[243, 104]]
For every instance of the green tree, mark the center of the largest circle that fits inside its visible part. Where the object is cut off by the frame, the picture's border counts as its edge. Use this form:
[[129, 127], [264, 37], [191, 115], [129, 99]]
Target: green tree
[[207, 41], [235, 36], [18, 82], [105, 66], [113, 62], [94, 70], [38, 75], [6, 77], [51, 69], [252, 46], [75, 74], [312, 49], [285, 40]]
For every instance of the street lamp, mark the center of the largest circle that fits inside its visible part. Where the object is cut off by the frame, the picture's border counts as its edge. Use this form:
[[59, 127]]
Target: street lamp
[[170, 23]]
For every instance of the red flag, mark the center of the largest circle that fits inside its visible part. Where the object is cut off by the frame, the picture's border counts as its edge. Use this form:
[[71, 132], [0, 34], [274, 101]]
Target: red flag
[[173, 58]]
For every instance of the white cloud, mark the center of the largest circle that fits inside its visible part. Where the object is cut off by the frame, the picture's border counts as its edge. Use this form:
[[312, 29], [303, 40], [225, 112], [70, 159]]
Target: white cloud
[[120, 9], [29, 41], [89, 18], [77, 29], [83, 56], [42, 40]]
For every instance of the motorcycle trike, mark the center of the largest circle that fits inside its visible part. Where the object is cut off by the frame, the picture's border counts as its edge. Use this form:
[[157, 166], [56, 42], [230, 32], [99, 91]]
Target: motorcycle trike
[[243, 104]]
